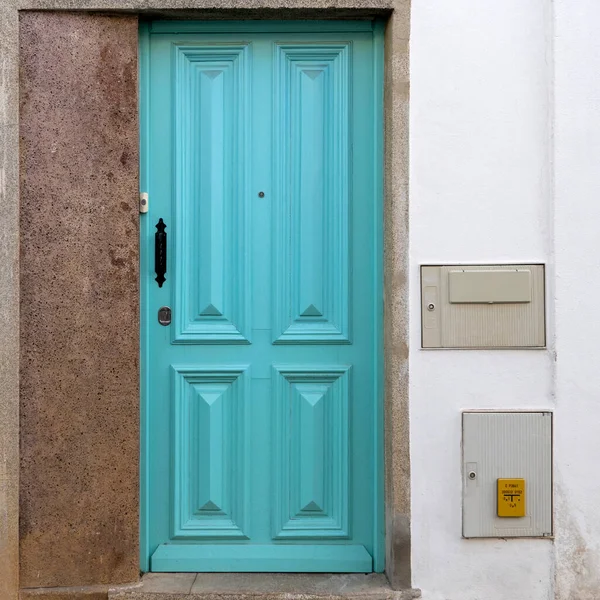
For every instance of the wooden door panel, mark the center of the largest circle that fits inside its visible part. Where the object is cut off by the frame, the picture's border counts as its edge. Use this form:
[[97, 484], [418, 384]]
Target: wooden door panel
[[310, 452], [210, 452], [211, 132], [312, 185]]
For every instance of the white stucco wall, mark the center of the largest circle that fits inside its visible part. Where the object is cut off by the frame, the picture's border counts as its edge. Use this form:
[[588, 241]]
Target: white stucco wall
[[577, 284], [505, 166]]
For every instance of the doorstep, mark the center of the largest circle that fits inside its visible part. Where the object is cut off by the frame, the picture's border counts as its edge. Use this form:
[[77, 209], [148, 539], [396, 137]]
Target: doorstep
[[260, 586]]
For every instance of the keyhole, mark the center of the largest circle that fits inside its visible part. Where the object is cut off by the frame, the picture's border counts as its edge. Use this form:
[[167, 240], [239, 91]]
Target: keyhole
[[261, 194]]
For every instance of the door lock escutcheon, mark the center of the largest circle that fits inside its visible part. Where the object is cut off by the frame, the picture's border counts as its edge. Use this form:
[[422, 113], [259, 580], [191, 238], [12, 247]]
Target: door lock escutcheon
[[164, 315]]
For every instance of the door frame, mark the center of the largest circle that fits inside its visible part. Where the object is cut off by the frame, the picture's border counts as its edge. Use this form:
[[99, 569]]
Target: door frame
[[378, 27]]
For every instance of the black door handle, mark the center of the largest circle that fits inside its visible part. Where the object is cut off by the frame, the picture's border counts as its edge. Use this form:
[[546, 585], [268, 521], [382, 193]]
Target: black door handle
[[160, 252]]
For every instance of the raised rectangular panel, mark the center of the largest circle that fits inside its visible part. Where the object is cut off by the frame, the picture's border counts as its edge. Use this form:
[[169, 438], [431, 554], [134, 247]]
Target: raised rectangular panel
[[312, 187], [209, 452], [507, 446], [488, 286], [483, 306], [310, 428], [212, 270]]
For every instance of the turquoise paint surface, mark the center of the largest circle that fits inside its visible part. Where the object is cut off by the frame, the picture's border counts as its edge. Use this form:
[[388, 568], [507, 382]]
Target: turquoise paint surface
[[262, 401]]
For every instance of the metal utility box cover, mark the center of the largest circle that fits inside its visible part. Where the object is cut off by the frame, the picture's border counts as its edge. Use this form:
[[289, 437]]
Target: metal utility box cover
[[483, 306], [507, 446]]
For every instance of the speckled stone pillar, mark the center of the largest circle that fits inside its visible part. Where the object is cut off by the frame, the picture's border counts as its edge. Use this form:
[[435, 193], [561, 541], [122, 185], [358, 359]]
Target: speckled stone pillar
[[79, 399]]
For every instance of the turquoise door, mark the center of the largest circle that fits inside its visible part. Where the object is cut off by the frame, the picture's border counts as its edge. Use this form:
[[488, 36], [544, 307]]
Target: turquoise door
[[261, 446]]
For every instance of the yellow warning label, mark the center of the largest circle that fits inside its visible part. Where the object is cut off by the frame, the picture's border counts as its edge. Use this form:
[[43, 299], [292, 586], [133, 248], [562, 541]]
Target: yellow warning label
[[511, 497]]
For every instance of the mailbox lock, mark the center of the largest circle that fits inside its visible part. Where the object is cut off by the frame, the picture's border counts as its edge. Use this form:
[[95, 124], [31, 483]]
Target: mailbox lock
[[472, 475], [431, 306]]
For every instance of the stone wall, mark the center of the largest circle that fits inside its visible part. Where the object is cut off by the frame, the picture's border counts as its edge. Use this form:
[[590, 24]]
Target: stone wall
[[79, 483]]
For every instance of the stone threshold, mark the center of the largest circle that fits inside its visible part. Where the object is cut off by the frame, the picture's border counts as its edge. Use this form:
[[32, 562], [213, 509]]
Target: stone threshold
[[263, 586], [84, 592]]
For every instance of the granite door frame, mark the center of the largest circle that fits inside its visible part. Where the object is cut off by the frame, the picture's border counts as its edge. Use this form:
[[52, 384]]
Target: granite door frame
[[396, 101]]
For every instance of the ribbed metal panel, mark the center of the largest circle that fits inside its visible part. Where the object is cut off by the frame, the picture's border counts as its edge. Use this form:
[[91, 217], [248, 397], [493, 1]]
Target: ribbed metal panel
[[479, 325], [507, 445]]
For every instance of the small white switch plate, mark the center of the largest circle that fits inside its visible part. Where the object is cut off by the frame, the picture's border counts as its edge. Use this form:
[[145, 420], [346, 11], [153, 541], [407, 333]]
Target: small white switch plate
[[144, 202]]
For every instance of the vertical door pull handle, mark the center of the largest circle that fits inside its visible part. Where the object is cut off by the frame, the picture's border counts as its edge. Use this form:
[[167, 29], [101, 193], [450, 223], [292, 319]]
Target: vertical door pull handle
[[160, 252]]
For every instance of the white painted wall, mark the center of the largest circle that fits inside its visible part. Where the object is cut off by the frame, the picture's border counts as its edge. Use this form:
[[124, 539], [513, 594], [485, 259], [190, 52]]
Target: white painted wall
[[577, 284], [505, 166]]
